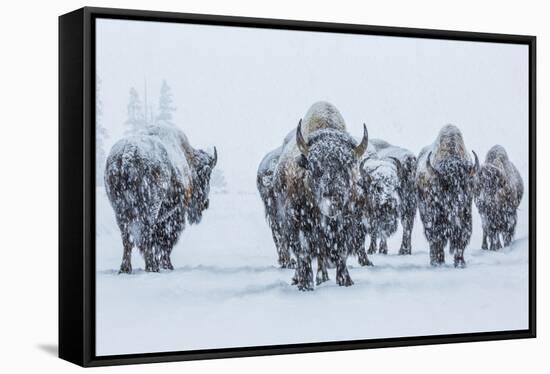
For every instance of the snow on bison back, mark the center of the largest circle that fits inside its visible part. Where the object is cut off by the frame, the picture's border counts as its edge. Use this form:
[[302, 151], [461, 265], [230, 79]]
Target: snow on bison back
[[155, 181]]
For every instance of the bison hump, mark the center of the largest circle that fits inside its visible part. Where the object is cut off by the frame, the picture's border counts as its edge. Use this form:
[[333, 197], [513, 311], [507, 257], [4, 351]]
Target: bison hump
[[322, 115]]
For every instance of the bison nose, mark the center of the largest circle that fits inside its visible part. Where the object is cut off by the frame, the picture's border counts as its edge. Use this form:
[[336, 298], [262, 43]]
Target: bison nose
[[206, 204]]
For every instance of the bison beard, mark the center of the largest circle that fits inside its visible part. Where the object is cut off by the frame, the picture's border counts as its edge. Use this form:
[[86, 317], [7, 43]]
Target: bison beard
[[152, 195]]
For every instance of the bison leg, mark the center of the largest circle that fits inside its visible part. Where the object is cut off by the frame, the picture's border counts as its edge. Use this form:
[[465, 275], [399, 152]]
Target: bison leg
[[150, 256], [342, 275], [363, 259], [508, 234], [322, 273], [459, 258], [406, 245], [507, 238], [458, 251], [372, 247], [151, 263], [126, 265], [437, 253], [458, 241], [285, 260], [484, 240], [494, 240], [383, 248], [165, 262], [359, 243], [303, 277]]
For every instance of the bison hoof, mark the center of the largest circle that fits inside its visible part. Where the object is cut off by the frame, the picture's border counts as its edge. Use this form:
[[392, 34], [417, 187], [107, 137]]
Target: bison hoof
[[125, 270], [321, 278], [305, 287], [460, 263], [365, 262], [167, 267], [344, 281], [404, 251]]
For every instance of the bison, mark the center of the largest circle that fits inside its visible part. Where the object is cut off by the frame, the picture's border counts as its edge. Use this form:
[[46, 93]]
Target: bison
[[445, 182], [498, 192], [380, 203], [272, 203], [156, 181], [316, 176], [405, 163]]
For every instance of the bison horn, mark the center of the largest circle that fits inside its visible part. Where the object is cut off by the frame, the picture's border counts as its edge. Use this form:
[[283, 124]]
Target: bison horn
[[397, 164], [429, 165], [215, 157], [302, 145], [475, 168], [362, 147]]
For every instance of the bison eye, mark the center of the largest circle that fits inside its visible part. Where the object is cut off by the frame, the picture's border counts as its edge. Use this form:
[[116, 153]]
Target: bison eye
[[302, 162]]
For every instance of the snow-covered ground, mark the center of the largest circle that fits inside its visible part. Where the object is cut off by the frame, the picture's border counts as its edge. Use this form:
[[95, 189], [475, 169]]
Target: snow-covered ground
[[227, 290]]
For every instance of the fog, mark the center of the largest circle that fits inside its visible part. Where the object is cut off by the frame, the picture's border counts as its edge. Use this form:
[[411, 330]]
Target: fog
[[243, 89]]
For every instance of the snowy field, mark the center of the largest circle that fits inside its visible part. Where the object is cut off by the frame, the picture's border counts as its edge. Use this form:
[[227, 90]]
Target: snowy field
[[227, 290], [242, 92]]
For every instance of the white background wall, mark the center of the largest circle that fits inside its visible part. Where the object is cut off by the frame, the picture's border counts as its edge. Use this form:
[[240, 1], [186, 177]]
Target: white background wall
[[28, 196]]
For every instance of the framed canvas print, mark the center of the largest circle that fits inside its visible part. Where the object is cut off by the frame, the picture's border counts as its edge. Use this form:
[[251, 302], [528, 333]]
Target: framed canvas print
[[236, 186]]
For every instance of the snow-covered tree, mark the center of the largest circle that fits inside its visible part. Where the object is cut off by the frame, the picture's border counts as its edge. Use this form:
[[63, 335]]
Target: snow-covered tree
[[136, 117], [101, 135], [166, 107]]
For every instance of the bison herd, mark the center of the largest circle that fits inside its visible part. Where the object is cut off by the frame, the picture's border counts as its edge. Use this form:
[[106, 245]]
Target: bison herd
[[323, 192]]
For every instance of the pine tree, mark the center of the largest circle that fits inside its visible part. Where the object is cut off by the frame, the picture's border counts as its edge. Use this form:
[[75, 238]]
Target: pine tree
[[166, 108], [136, 119], [101, 135]]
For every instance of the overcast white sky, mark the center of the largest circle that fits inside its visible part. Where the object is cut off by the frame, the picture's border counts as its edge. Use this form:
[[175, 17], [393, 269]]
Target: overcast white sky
[[242, 89]]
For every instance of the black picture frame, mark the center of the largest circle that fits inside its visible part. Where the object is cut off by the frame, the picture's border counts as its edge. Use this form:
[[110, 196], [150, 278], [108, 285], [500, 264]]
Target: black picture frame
[[77, 174]]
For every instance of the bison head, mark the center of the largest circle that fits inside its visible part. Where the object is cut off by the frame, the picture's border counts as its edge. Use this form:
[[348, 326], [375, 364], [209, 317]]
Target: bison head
[[381, 186], [455, 183], [204, 164], [329, 158]]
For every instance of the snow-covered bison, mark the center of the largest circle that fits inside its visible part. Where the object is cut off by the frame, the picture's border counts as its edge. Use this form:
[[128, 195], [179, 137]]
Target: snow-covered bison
[[155, 181], [405, 164], [498, 192], [445, 182], [272, 205], [316, 175], [380, 203]]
